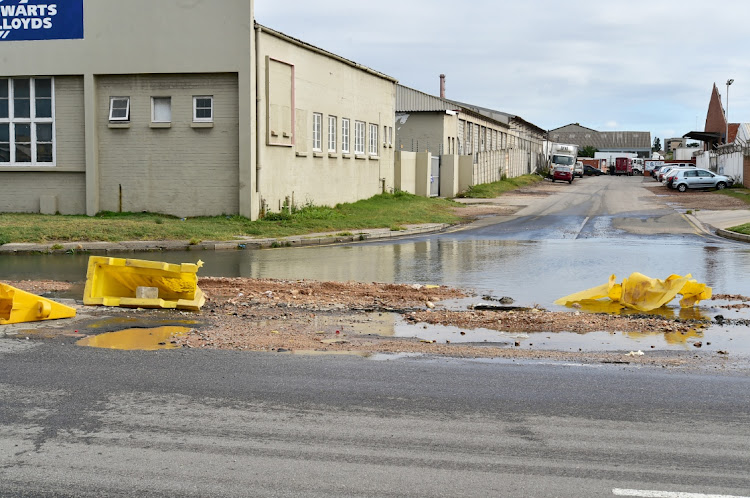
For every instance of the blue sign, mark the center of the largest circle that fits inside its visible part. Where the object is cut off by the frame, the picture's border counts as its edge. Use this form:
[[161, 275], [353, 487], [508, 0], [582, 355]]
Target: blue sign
[[41, 20]]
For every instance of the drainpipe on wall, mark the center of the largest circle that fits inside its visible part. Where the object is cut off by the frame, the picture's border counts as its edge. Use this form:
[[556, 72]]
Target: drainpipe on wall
[[258, 138]]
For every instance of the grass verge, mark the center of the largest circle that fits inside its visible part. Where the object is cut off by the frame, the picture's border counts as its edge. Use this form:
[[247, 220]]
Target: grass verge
[[740, 193], [381, 211], [745, 229], [495, 189]]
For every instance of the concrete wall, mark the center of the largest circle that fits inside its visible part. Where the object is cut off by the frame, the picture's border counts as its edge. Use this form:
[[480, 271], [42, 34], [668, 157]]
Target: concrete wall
[[731, 165], [423, 173], [178, 170], [405, 174], [449, 175], [465, 173], [332, 87], [421, 132]]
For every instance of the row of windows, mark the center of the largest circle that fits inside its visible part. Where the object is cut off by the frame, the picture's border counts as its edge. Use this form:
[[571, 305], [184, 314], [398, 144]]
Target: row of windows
[[359, 135], [26, 121], [161, 109]]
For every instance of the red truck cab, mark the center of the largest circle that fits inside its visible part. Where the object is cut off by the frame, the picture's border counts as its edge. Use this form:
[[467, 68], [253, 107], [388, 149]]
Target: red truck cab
[[624, 166]]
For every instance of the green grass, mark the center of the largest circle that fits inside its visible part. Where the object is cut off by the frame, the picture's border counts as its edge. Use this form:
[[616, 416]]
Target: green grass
[[741, 229], [495, 189], [380, 211], [740, 193]]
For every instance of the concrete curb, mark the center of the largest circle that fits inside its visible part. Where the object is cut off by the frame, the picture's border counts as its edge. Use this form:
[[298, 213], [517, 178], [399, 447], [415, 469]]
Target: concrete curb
[[317, 239], [741, 237]]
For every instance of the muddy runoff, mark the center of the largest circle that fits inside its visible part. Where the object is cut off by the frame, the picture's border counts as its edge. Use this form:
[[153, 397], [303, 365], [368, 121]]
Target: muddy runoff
[[311, 317]]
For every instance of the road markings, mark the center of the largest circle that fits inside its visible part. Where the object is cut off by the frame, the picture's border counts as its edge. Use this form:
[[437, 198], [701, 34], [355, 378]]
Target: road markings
[[578, 231], [666, 494]]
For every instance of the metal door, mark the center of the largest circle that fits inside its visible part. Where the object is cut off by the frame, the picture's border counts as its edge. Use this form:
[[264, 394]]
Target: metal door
[[435, 176]]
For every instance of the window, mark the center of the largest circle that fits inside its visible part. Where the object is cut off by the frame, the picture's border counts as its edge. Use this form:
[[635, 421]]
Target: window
[[26, 121], [119, 108], [373, 146], [203, 109], [345, 135], [161, 109], [359, 137], [331, 133], [390, 136], [317, 131]]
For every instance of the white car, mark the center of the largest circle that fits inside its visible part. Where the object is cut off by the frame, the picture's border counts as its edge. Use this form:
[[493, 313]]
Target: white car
[[578, 169], [699, 178]]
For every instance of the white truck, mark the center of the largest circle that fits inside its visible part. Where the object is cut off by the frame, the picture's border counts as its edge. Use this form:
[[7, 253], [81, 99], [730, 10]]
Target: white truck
[[562, 155], [611, 158]]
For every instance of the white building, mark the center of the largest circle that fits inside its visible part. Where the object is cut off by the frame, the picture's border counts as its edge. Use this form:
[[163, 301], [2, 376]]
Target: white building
[[106, 106]]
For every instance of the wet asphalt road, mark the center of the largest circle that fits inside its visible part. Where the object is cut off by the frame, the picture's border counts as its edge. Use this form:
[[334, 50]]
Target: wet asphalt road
[[86, 422]]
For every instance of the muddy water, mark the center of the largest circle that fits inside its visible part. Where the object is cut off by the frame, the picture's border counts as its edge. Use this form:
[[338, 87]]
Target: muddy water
[[148, 339], [529, 271], [533, 272]]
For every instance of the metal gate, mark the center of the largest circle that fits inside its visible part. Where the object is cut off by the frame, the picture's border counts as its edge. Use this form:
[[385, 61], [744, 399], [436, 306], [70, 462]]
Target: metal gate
[[435, 176]]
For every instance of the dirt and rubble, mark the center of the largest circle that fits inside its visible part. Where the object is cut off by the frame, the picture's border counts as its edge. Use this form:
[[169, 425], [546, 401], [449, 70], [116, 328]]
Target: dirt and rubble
[[350, 318]]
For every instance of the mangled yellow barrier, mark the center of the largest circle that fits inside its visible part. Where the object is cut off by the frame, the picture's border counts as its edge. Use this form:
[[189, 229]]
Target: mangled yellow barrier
[[641, 293], [137, 283], [17, 306]]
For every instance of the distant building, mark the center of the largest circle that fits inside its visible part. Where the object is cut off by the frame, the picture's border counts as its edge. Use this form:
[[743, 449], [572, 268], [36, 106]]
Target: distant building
[[635, 142], [674, 143]]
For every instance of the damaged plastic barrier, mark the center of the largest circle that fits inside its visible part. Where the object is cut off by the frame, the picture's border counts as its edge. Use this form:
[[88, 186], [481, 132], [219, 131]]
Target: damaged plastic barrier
[[641, 293], [136, 283], [17, 306]]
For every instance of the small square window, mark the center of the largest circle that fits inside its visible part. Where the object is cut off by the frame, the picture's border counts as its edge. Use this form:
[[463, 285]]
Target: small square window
[[161, 109], [203, 109], [119, 108]]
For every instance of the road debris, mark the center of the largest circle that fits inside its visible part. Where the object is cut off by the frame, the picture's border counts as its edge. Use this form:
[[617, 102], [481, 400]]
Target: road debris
[[640, 292]]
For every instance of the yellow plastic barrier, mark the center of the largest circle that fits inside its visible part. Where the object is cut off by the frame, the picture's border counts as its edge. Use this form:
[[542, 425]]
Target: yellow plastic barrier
[[136, 283], [641, 292], [17, 306]]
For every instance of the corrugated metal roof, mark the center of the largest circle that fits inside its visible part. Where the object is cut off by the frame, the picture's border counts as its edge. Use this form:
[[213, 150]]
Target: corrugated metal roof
[[411, 100], [585, 137]]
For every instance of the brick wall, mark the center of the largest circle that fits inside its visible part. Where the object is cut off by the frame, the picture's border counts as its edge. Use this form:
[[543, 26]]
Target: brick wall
[[180, 170]]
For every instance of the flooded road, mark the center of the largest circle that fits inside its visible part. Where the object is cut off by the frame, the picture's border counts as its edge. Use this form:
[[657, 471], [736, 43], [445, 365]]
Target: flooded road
[[556, 246]]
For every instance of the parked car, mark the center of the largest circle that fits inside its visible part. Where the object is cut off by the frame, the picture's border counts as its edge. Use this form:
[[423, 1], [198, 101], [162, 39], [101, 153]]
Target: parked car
[[590, 170], [578, 169], [669, 177], [564, 173], [699, 178]]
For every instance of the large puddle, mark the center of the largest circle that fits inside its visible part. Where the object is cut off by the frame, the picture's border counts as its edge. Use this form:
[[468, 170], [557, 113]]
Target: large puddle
[[148, 339]]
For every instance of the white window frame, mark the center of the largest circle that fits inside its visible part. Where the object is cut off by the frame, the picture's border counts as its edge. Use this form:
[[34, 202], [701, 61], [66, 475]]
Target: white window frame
[[196, 119], [33, 121], [112, 117], [345, 128], [317, 132], [372, 148], [154, 101], [331, 133], [359, 137]]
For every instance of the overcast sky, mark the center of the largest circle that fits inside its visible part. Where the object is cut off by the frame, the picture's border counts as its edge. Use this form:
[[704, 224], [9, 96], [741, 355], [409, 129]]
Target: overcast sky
[[635, 65]]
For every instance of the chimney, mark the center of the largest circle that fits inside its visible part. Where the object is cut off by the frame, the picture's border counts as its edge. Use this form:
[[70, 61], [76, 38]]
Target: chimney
[[442, 86]]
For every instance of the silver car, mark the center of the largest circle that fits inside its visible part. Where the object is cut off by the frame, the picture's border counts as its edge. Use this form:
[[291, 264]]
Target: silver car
[[699, 178]]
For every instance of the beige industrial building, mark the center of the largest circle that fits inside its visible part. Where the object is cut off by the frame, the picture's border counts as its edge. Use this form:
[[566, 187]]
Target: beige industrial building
[[489, 144], [206, 114]]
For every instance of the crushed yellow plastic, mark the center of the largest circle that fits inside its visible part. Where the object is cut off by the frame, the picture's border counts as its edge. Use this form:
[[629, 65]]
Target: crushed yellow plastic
[[642, 293], [114, 282], [17, 306]]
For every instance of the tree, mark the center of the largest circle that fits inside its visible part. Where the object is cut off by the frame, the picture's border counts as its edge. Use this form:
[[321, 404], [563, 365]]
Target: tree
[[657, 145], [587, 151]]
